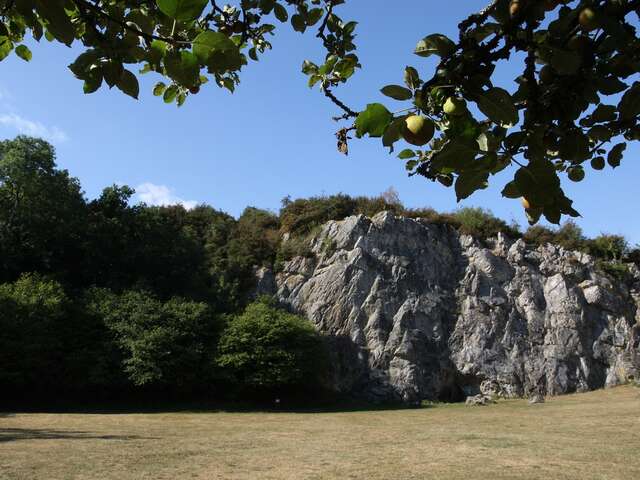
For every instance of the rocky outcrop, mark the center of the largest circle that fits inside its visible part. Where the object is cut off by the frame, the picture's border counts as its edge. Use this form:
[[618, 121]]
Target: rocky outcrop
[[414, 311]]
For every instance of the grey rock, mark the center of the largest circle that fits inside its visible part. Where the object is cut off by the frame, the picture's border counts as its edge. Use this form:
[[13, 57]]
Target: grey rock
[[413, 310], [479, 400], [535, 399], [265, 281]]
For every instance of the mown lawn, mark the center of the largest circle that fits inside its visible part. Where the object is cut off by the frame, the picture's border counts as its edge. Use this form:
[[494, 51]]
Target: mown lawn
[[585, 436]]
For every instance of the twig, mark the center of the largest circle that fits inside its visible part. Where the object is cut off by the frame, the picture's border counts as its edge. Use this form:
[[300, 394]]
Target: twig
[[348, 112]]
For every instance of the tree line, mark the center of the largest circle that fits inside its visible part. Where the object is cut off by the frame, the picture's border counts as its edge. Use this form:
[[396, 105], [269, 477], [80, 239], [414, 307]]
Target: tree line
[[104, 297]]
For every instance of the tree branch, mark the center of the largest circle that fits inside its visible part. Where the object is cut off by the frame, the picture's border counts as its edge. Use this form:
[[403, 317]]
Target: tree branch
[[348, 112], [147, 36]]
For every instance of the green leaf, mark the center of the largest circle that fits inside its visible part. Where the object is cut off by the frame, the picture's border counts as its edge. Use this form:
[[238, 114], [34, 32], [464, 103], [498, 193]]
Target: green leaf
[[314, 16], [538, 182], [298, 23], [128, 83], [615, 155], [411, 78], [511, 190], [58, 23], [81, 64], [183, 67], [373, 120], [629, 106], [93, 81], [455, 155], [406, 153], [170, 94], [411, 164], [397, 92], [468, 182], [182, 10], [611, 85], [159, 89], [574, 146], [488, 142], [393, 133], [435, 44], [5, 47], [24, 53], [112, 71], [600, 133], [565, 62], [498, 106], [208, 42], [217, 51], [280, 12], [553, 214], [602, 113]]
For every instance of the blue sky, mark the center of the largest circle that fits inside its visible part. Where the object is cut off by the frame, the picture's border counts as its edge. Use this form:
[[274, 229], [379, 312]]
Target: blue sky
[[273, 137]]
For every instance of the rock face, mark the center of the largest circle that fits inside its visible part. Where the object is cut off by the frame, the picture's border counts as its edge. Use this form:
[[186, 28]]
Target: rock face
[[416, 311]]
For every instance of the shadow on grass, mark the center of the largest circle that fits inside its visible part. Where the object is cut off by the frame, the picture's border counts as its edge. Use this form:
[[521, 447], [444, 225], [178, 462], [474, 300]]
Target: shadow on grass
[[198, 407], [17, 434]]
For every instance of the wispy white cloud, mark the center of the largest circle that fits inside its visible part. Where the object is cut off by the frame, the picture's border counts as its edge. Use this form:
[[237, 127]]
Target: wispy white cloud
[[4, 94], [161, 195], [29, 127]]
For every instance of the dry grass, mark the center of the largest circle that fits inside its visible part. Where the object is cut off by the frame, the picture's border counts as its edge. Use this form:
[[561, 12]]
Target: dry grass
[[587, 436]]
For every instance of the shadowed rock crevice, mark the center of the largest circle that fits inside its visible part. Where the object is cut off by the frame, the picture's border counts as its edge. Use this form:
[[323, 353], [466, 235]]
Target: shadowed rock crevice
[[417, 311]]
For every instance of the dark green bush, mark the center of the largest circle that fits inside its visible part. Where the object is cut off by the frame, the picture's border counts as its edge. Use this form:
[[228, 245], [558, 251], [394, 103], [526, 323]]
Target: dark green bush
[[267, 349], [163, 343], [49, 343]]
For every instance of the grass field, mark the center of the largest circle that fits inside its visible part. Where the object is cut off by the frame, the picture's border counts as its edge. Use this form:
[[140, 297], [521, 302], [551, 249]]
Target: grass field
[[586, 436]]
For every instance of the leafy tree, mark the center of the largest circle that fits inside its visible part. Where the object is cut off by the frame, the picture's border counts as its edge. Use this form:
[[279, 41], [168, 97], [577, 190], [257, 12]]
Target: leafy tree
[[575, 105], [42, 211], [32, 310], [265, 348], [47, 343], [255, 239], [163, 343]]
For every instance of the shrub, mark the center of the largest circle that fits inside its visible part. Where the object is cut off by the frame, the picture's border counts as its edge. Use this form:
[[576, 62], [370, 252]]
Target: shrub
[[303, 215], [481, 223], [634, 256], [608, 247], [539, 235], [570, 236], [267, 349], [163, 343], [617, 270], [48, 343], [295, 246], [31, 346]]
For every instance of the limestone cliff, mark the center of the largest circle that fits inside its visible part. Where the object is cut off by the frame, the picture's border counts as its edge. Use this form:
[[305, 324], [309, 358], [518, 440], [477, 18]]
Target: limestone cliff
[[415, 311]]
